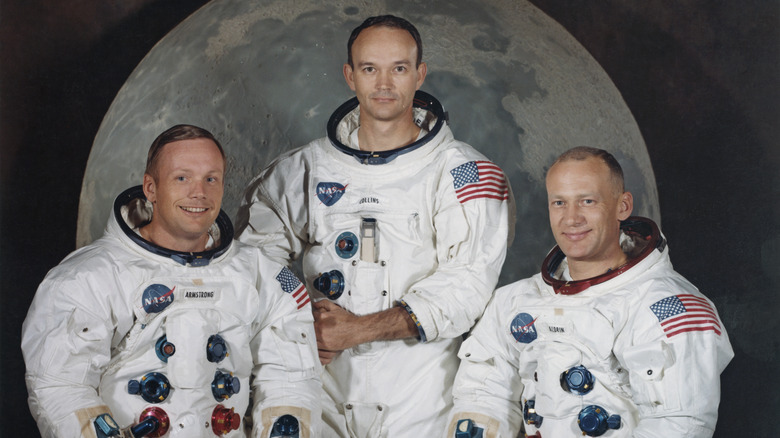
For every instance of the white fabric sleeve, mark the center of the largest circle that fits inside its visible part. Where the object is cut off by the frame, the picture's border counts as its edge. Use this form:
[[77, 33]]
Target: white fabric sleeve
[[66, 343], [675, 381], [274, 213], [286, 373], [488, 385], [471, 241]]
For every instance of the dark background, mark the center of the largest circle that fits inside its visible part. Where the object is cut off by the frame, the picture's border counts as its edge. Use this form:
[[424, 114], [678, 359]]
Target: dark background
[[700, 77]]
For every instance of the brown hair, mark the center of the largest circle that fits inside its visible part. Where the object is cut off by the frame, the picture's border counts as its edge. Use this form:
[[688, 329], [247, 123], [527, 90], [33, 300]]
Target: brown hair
[[174, 134], [387, 21]]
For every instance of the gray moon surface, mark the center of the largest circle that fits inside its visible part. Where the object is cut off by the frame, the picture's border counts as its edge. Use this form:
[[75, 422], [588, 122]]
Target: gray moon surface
[[265, 75]]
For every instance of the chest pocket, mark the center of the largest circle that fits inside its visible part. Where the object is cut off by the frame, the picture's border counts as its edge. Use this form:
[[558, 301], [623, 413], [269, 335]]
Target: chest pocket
[[389, 249], [209, 324], [567, 337], [652, 390]]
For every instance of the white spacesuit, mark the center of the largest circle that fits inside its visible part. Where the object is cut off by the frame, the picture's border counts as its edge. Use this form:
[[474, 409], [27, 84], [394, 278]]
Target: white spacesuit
[[424, 227], [636, 352], [127, 327]]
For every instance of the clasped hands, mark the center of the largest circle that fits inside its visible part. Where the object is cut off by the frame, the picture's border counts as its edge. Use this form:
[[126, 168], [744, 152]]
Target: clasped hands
[[338, 329]]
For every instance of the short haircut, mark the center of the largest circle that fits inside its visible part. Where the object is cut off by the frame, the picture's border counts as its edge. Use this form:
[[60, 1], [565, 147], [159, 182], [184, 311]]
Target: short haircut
[[581, 153], [174, 134], [387, 21]]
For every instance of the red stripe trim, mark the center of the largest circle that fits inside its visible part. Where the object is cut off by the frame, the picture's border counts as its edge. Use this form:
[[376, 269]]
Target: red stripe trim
[[504, 198], [692, 297], [482, 194], [486, 182], [692, 303], [490, 176], [300, 292], [491, 185], [483, 188], [694, 329], [493, 181], [486, 165], [692, 322], [690, 314], [491, 173], [694, 300], [301, 305]]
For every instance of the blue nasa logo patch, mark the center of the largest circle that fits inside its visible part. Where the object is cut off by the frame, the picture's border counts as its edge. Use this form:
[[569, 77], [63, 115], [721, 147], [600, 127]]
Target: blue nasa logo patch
[[157, 297], [330, 192], [523, 328]]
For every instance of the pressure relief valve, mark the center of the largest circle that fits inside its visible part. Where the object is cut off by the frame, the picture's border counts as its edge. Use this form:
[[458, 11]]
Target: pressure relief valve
[[224, 386], [153, 387], [577, 380], [216, 349], [346, 245], [164, 349], [331, 284], [595, 421], [153, 422], [224, 420]]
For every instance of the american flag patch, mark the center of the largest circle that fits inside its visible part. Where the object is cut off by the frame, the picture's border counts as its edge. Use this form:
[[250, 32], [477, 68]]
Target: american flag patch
[[292, 285], [685, 313], [479, 179]]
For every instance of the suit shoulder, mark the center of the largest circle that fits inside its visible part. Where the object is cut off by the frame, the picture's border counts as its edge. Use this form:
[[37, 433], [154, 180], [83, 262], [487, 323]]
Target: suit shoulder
[[526, 286]]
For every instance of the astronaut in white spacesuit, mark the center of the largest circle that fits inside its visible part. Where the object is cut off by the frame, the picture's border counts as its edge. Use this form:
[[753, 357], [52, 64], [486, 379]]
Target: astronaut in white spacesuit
[[608, 340], [402, 230], [166, 326]]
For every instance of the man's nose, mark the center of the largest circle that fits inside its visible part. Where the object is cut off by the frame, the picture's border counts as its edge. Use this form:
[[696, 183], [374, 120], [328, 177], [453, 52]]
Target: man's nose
[[572, 215], [198, 189], [384, 80]]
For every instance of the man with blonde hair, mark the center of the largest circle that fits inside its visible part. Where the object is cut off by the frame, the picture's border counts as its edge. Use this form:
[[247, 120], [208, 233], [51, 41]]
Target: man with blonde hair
[[607, 340]]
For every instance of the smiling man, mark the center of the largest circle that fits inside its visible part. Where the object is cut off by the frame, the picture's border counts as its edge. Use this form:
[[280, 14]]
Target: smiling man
[[402, 231], [184, 183], [166, 324], [607, 340], [586, 204]]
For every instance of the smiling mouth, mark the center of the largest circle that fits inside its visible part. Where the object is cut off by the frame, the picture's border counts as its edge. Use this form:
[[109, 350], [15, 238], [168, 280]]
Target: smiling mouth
[[194, 209], [576, 236], [380, 96]]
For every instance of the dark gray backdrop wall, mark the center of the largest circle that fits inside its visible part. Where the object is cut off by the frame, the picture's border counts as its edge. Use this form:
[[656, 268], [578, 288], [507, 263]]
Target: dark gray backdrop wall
[[700, 78]]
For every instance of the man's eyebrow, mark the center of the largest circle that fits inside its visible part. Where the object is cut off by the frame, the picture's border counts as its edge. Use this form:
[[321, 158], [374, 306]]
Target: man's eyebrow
[[371, 63]]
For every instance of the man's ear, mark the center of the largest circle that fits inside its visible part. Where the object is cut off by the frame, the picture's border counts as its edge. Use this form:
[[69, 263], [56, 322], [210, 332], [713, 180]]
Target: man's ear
[[150, 188], [625, 205], [348, 72], [422, 70]]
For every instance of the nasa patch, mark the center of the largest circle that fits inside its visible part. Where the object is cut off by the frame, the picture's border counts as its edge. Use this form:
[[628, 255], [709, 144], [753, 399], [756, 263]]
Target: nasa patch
[[330, 192], [523, 328], [157, 297]]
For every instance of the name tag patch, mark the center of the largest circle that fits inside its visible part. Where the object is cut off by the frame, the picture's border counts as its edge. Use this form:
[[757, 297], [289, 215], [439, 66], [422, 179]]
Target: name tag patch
[[202, 294]]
